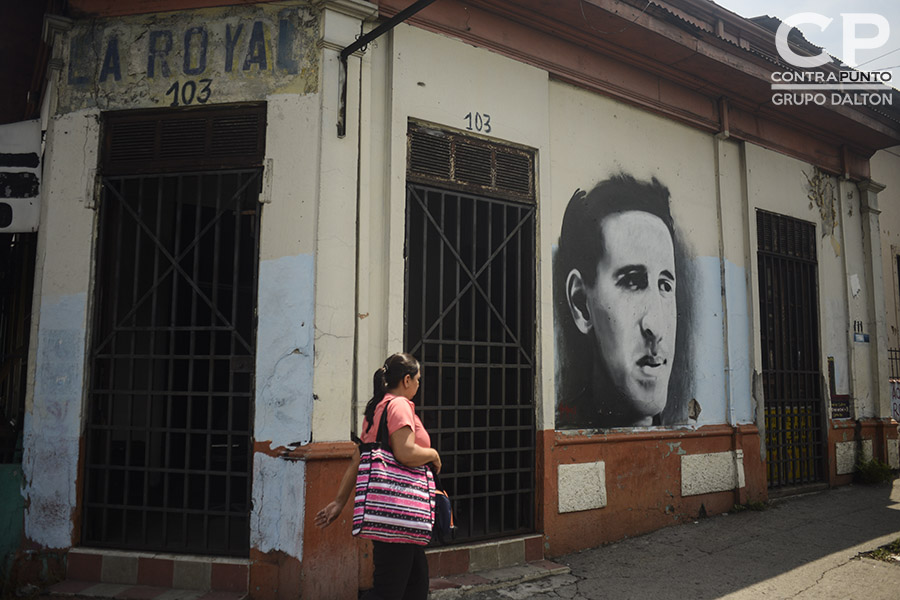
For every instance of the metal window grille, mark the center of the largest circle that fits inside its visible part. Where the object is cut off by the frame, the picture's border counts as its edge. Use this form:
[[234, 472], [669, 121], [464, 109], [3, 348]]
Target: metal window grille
[[168, 454], [470, 319], [169, 424], [789, 338], [894, 360], [17, 254]]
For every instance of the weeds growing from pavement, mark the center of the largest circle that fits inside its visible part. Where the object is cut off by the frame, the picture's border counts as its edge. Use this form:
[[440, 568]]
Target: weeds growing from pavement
[[874, 471], [888, 552], [754, 506]]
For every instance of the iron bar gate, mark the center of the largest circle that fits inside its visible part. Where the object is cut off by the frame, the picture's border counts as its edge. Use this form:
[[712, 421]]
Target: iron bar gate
[[789, 337], [894, 362], [470, 319], [170, 407], [17, 254]]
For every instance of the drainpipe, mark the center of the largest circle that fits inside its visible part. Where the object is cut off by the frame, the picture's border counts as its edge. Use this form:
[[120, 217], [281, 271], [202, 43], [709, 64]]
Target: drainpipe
[[362, 42], [736, 441], [721, 136]]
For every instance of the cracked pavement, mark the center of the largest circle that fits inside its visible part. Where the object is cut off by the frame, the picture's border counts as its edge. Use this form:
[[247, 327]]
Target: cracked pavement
[[805, 547]]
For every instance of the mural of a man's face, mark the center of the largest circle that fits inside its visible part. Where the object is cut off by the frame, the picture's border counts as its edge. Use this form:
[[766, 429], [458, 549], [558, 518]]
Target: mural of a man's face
[[630, 311]]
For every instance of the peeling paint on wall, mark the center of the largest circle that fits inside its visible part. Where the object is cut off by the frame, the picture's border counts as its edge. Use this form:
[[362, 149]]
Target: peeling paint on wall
[[284, 351], [676, 448], [191, 57], [52, 422], [276, 521]]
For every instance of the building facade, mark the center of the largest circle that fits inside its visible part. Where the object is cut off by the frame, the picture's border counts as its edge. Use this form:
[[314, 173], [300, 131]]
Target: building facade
[[236, 229]]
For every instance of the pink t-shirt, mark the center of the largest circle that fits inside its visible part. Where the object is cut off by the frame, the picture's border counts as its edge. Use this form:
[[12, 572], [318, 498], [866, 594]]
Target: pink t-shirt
[[401, 413]]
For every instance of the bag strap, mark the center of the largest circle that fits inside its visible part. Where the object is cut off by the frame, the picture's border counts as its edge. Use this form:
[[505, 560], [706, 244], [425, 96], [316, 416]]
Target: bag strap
[[382, 436], [437, 479]]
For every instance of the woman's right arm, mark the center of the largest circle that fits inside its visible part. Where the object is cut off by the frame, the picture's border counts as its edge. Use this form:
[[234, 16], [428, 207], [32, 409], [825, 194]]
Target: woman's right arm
[[404, 447], [328, 514]]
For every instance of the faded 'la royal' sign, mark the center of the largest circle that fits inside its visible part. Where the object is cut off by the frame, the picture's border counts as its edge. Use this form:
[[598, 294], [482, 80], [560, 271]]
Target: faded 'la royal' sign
[[191, 57]]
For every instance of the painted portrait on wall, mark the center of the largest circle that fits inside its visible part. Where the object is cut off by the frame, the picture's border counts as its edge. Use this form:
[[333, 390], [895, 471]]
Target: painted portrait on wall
[[621, 309]]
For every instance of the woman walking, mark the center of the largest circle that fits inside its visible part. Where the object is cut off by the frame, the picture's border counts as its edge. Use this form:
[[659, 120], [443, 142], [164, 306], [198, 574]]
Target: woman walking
[[401, 571]]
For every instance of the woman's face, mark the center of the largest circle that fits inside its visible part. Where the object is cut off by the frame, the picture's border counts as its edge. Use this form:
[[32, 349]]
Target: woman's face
[[632, 310], [411, 384]]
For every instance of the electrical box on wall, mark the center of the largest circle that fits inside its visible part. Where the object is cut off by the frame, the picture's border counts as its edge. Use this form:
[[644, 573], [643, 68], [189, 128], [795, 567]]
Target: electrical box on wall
[[20, 176]]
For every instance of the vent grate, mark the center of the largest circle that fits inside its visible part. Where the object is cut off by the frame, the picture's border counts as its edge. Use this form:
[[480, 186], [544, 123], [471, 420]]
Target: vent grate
[[160, 140], [469, 164], [430, 155], [474, 165], [182, 139], [786, 236], [514, 172], [135, 139]]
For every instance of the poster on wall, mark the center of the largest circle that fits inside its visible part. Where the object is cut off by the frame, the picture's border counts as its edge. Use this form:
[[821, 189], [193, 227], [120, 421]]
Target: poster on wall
[[622, 309]]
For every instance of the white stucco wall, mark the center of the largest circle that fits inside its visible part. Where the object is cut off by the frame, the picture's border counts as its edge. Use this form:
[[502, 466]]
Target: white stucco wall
[[885, 166], [738, 270], [110, 73], [285, 305], [862, 353], [778, 183], [581, 138], [54, 403], [401, 72]]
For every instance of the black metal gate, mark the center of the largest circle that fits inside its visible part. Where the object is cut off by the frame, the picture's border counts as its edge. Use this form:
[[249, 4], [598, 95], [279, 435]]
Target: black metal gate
[[169, 424], [17, 254], [789, 337], [470, 319]]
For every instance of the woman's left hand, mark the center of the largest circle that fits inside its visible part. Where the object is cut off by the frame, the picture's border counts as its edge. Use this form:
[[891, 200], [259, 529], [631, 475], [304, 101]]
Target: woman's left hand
[[327, 515]]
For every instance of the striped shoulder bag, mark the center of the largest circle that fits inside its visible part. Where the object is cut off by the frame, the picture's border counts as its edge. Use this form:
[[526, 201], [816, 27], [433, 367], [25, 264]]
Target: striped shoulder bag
[[393, 502]]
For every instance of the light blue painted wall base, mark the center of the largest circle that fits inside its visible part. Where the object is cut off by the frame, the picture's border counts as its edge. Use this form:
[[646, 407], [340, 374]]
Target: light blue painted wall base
[[52, 423], [711, 382]]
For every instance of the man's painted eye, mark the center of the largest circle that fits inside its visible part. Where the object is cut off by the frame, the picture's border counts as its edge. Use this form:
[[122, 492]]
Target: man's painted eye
[[633, 280], [666, 285]]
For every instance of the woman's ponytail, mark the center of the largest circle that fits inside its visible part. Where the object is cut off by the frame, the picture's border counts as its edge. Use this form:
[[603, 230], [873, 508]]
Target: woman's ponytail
[[386, 377]]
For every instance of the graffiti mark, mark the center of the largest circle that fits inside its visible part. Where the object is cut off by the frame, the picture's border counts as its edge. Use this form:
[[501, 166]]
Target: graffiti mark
[[18, 185]]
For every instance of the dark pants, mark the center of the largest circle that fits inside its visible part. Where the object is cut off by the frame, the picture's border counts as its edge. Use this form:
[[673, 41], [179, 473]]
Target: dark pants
[[401, 572]]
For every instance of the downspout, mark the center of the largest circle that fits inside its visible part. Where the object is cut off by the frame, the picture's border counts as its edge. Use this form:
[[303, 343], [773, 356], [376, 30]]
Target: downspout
[[362, 42], [722, 135], [736, 441]]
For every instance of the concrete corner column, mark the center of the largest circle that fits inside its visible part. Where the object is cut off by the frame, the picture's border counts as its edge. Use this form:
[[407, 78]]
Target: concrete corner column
[[874, 276], [54, 402], [336, 225]]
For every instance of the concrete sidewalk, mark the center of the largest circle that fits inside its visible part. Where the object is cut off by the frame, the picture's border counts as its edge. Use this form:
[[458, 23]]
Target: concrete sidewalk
[[803, 547]]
